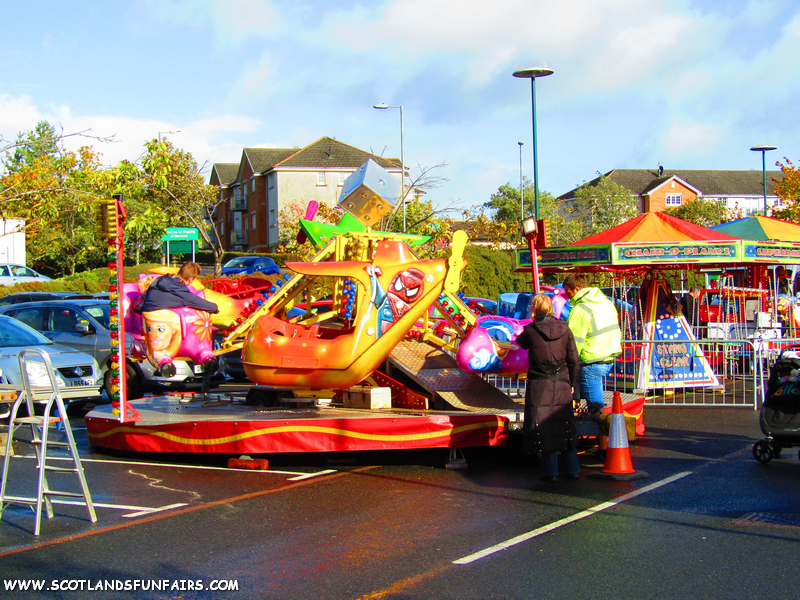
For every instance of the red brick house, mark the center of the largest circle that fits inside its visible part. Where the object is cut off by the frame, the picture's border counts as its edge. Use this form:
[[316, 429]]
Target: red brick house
[[254, 191], [656, 190]]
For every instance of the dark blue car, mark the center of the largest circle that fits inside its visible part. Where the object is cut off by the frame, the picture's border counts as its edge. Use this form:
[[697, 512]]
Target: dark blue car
[[247, 265]]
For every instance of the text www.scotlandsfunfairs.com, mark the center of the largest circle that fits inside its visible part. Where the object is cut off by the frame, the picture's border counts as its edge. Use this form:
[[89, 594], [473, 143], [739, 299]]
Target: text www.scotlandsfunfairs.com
[[118, 585]]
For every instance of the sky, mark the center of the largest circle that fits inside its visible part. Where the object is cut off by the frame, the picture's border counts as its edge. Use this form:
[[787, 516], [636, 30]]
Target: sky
[[636, 83]]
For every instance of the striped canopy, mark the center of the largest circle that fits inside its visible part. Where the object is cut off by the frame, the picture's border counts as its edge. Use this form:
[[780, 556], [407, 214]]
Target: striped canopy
[[656, 227], [761, 228]]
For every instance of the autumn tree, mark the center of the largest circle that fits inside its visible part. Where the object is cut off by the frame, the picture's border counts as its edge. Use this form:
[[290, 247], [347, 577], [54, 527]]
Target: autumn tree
[[788, 190], [174, 193], [52, 190]]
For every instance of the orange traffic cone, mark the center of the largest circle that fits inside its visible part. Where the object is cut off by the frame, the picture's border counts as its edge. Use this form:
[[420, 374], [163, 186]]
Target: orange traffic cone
[[618, 466]]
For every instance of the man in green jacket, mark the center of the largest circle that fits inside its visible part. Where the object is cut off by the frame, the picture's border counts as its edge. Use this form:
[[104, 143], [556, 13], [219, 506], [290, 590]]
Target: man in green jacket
[[594, 323]]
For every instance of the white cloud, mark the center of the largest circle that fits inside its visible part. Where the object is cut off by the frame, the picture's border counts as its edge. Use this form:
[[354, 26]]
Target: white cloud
[[17, 114], [617, 40], [232, 21], [685, 139], [127, 135]]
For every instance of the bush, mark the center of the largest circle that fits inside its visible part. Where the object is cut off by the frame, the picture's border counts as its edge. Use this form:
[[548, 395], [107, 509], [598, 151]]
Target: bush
[[490, 272]]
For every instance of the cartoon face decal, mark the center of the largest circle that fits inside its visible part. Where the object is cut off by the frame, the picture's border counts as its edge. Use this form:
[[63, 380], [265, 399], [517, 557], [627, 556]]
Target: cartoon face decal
[[408, 285]]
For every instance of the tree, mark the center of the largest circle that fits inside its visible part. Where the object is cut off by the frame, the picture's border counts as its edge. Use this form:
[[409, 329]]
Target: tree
[[702, 211], [788, 190], [604, 205], [52, 190], [41, 142], [503, 225], [174, 193]]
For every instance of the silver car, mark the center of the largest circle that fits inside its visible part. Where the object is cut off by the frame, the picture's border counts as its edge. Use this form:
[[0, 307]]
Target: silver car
[[83, 324], [72, 368]]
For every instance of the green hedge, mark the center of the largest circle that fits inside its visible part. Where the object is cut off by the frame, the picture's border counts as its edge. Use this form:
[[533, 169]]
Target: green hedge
[[490, 272]]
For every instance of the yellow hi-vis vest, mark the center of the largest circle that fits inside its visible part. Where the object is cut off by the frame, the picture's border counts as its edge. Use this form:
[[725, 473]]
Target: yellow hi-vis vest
[[594, 323]]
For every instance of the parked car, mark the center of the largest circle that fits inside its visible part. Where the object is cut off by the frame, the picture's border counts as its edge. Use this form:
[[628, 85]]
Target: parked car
[[72, 368], [11, 274], [247, 265], [83, 325], [18, 297]]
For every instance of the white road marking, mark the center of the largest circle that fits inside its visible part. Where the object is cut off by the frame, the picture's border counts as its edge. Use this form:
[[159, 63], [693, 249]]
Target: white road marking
[[200, 467], [141, 510], [576, 517], [310, 475]]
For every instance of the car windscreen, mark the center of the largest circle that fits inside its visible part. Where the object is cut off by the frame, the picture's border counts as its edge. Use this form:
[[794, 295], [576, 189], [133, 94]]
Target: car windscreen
[[14, 333], [101, 312]]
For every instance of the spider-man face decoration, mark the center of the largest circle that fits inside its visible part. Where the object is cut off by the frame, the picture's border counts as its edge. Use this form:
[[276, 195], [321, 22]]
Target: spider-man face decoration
[[406, 287]]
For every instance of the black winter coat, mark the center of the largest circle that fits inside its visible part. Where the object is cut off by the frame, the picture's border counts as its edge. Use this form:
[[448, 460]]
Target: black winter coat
[[171, 292], [553, 369]]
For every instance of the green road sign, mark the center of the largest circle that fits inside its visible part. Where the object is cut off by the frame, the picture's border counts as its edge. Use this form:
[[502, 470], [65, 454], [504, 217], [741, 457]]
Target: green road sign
[[181, 234]]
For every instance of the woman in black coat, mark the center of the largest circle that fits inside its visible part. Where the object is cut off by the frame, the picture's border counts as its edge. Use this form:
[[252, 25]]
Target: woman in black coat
[[552, 375]]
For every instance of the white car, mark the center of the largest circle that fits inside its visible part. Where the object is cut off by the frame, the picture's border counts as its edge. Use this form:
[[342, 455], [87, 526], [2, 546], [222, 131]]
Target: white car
[[11, 274], [72, 368]]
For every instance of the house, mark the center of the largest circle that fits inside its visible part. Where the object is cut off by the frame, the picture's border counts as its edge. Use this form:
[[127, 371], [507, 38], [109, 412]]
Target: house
[[657, 189], [264, 182]]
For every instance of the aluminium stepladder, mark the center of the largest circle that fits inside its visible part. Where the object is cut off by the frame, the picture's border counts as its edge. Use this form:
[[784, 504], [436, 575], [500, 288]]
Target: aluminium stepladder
[[40, 429]]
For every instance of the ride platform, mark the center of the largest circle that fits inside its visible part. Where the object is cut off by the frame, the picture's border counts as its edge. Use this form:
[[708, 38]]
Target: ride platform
[[223, 423]]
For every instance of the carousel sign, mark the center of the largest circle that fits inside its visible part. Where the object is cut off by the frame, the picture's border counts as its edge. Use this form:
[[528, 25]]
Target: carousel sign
[[772, 252], [675, 252]]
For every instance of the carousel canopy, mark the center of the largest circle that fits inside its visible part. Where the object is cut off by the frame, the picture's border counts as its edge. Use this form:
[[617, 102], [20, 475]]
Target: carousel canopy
[[761, 228], [657, 240], [656, 227]]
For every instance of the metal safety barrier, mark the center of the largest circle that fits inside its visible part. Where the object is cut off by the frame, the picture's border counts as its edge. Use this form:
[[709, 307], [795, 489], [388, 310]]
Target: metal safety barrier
[[741, 367]]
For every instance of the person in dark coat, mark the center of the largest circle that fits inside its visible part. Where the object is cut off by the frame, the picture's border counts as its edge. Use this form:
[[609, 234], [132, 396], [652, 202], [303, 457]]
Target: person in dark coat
[[553, 373], [690, 307], [173, 292]]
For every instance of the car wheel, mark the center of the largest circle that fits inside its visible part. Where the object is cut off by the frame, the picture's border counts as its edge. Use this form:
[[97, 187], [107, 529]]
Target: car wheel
[[134, 382]]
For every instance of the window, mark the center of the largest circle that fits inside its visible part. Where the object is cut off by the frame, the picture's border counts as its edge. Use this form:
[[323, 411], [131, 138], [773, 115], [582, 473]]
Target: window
[[252, 184], [321, 178], [342, 177], [673, 200], [253, 221], [32, 317]]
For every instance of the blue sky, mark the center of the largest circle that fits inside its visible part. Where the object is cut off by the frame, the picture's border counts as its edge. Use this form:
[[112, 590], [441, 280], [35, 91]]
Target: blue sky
[[688, 84]]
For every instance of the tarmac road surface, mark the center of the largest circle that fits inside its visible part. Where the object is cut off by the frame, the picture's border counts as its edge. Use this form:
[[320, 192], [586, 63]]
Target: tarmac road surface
[[709, 522]]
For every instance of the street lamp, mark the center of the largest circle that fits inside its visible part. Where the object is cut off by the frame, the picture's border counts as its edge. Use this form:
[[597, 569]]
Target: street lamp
[[764, 148], [521, 189], [402, 160], [532, 73]]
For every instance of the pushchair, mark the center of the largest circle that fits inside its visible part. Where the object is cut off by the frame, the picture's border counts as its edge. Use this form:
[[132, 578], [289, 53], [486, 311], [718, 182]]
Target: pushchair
[[780, 413]]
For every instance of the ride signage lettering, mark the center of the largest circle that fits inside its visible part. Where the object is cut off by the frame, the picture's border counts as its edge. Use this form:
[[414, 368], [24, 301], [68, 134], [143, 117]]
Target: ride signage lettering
[[675, 252], [774, 253], [560, 256]]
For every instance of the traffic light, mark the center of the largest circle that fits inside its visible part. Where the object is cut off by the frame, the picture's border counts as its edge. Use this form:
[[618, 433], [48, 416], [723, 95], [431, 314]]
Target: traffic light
[[106, 214], [543, 233]]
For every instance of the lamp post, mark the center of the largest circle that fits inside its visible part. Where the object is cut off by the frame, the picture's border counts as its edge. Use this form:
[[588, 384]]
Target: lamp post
[[764, 148], [532, 73], [521, 189], [402, 160]]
